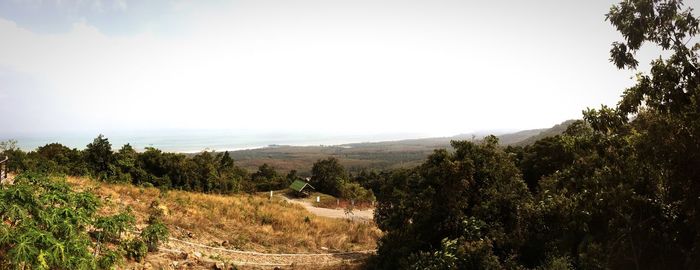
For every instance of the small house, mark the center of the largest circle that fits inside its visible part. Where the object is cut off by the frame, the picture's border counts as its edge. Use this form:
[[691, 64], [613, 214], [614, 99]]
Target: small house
[[301, 187]]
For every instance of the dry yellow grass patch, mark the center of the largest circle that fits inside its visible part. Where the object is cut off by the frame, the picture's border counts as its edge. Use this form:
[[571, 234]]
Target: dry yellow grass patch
[[245, 222]]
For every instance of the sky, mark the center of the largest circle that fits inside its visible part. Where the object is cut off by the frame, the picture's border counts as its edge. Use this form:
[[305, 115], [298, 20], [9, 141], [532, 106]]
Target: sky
[[430, 67]]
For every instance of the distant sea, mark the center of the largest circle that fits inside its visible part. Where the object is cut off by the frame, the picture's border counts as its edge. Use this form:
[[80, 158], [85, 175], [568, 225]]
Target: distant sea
[[191, 142]]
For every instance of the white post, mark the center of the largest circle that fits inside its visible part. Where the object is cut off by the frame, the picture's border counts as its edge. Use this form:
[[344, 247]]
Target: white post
[[270, 194], [318, 199]]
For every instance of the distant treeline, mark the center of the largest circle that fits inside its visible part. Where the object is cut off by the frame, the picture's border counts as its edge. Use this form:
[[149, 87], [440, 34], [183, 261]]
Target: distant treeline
[[209, 172]]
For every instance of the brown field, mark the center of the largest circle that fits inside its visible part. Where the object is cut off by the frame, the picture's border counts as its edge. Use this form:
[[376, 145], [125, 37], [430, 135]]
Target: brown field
[[247, 222], [237, 222]]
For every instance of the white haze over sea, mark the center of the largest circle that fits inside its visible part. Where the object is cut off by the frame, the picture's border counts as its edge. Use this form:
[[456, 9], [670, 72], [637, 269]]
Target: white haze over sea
[[191, 142]]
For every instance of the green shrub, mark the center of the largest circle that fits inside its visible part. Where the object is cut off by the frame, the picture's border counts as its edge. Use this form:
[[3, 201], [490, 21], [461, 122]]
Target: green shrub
[[48, 226], [111, 228], [136, 249], [109, 259], [354, 191], [155, 234]]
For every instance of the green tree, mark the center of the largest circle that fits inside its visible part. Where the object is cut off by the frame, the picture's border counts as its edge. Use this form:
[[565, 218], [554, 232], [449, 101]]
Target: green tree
[[54, 158], [473, 198], [99, 157], [292, 176], [17, 158], [267, 178], [629, 199], [125, 162], [543, 158], [230, 176], [205, 171], [265, 171], [226, 162], [371, 180], [355, 192], [328, 176]]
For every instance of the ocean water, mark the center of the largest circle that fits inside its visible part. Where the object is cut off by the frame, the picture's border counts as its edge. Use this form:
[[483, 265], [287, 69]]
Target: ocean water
[[191, 142]]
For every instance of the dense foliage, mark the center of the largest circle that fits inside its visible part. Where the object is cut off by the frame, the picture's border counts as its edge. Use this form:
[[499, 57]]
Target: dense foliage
[[473, 198], [47, 225], [205, 171], [329, 177], [209, 172], [618, 190]]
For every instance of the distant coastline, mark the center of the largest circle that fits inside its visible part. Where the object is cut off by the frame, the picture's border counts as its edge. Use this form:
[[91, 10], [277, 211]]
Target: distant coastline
[[195, 143]]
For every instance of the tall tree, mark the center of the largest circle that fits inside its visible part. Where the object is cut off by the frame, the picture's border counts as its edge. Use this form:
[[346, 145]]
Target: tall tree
[[125, 161], [267, 178], [629, 200], [328, 175], [472, 199], [543, 158], [226, 162], [98, 155], [665, 106]]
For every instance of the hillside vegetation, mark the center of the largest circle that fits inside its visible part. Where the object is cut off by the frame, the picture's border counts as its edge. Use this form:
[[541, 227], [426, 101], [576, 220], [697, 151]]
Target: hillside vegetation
[[245, 222], [617, 190], [373, 156], [47, 225], [78, 223]]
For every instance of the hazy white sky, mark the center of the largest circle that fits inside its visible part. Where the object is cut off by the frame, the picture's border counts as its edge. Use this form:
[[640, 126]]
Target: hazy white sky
[[325, 66]]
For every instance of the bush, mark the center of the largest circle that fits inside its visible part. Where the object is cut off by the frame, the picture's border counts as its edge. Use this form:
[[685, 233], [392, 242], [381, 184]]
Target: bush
[[354, 191], [111, 228], [110, 259], [48, 226], [155, 234], [136, 249]]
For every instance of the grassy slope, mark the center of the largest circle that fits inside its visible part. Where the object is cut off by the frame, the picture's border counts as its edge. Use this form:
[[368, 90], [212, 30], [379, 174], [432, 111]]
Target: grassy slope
[[245, 222], [379, 155]]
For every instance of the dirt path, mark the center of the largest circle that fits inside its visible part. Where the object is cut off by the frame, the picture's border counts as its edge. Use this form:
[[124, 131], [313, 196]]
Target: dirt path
[[359, 215], [181, 254]]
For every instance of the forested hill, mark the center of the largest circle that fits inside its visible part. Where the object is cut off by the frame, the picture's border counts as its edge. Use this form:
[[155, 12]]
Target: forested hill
[[374, 155], [550, 132]]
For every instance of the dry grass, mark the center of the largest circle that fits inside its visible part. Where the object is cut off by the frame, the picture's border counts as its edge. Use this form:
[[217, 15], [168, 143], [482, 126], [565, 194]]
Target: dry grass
[[245, 222]]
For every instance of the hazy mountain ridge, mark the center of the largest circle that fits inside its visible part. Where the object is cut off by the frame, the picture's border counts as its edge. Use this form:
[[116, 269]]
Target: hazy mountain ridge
[[550, 132]]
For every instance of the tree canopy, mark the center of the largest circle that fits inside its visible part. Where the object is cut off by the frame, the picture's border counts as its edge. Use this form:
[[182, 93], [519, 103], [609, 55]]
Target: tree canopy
[[618, 190]]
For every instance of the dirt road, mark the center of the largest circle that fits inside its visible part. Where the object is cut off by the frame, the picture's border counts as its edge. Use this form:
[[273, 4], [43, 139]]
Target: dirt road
[[358, 215]]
